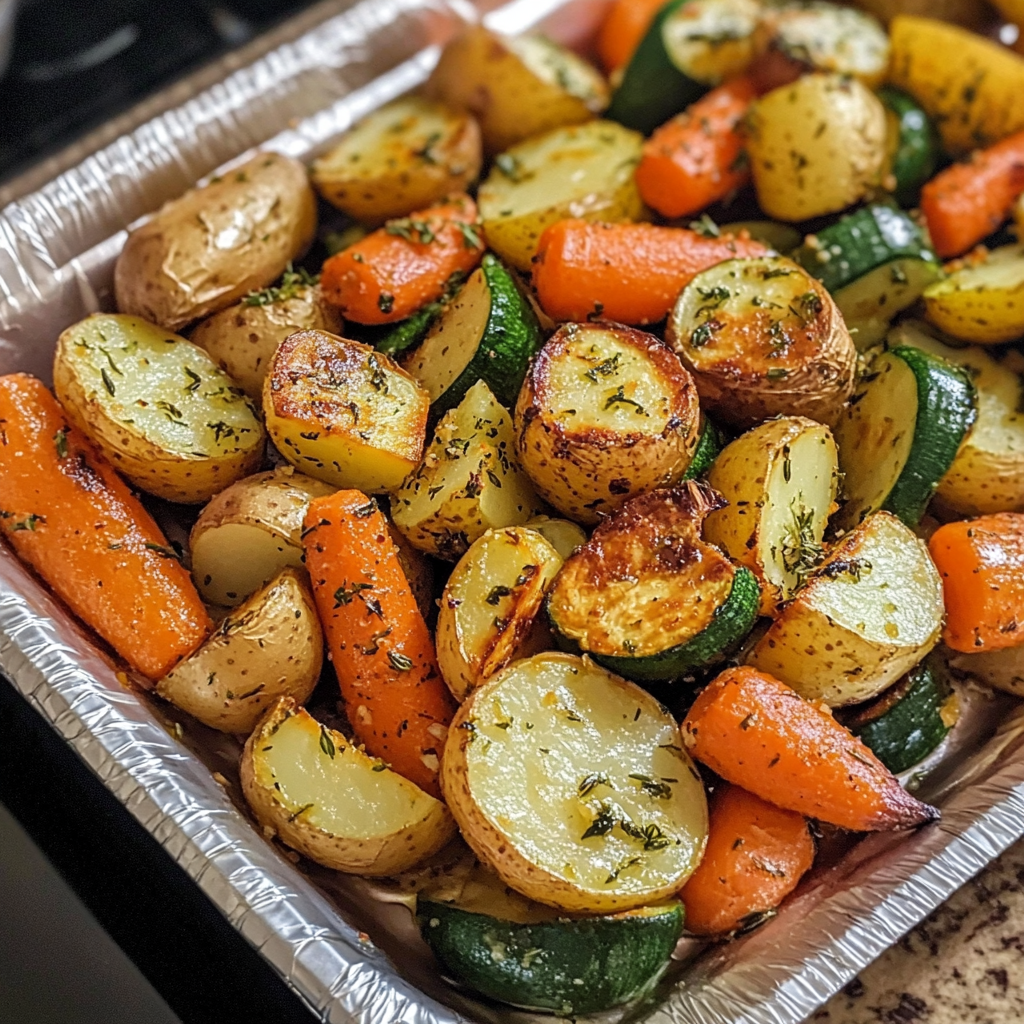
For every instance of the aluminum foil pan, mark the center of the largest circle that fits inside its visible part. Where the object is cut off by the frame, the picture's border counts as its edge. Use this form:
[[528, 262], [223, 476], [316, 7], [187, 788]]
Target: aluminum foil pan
[[347, 947]]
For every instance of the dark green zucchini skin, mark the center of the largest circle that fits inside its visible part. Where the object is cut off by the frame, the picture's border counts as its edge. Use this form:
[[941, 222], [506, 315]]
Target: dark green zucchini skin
[[918, 149], [570, 966], [905, 724], [947, 407], [411, 332], [708, 448]]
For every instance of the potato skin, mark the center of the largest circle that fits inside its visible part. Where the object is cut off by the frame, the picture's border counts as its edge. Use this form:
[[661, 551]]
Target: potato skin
[[243, 338], [191, 259]]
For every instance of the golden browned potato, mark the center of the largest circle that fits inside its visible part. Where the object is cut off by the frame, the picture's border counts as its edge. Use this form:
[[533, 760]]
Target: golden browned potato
[[206, 250], [763, 338]]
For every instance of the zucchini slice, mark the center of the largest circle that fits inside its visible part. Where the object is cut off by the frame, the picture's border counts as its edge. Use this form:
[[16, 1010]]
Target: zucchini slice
[[783, 238], [708, 449], [901, 433], [690, 46], [914, 144], [525, 954], [488, 333], [565, 537], [646, 597], [574, 786], [909, 720]]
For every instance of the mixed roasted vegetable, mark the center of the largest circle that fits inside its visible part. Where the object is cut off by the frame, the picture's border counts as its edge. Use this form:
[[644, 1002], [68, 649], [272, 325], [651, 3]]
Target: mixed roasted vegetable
[[634, 423]]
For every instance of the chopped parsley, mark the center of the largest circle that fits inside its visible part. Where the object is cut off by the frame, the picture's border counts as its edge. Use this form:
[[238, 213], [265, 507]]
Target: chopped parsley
[[292, 283]]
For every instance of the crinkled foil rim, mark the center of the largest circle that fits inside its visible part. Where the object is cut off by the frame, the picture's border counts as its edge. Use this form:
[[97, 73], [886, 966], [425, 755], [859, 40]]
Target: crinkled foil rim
[[295, 91]]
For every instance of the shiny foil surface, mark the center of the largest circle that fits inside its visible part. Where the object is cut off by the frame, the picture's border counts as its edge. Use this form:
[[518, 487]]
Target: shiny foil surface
[[348, 947]]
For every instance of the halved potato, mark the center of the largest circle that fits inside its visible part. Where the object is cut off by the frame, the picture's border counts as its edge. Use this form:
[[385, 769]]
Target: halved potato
[[243, 338], [565, 537], [585, 172], [205, 251], [490, 603], [711, 41], [271, 647], [763, 338], [406, 156], [343, 413], [157, 406], [780, 480], [984, 301], [605, 413], [573, 785], [469, 482], [869, 614], [324, 797], [516, 87]]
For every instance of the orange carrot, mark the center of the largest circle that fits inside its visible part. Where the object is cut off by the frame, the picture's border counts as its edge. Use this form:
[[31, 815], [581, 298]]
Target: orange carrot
[[698, 157], [625, 26], [759, 734], [397, 703], [401, 267], [74, 520], [756, 855], [982, 567], [970, 200], [631, 273]]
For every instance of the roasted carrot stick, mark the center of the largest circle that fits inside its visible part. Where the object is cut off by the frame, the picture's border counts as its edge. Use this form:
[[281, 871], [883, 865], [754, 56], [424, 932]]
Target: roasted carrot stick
[[982, 566], [401, 267], [759, 734], [756, 855], [970, 200], [73, 519], [698, 157], [631, 273], [397, 703], [625, 26]]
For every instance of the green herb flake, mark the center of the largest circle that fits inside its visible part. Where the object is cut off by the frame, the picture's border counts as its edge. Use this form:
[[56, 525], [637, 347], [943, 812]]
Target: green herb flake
[[706, 227], [60, 441], [590, 782], [385, 302], [345, 594], [619, 398], [326, 743], [292, 283], [399, 662]]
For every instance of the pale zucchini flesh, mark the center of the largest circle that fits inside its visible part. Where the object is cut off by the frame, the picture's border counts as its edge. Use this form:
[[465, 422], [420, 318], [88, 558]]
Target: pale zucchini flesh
[[710, 41], [564, 536]]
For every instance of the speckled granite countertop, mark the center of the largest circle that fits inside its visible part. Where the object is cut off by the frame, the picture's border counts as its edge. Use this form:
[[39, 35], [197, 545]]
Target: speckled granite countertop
[[963, 965]]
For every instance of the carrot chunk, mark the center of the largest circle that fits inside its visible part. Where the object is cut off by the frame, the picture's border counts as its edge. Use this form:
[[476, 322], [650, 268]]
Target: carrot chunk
[[699, 156], [968, 201], [74, 520], [759, 734], [390, 274], [626, 25], [631, 273], [982, 567], [756, 855], [397, 702]]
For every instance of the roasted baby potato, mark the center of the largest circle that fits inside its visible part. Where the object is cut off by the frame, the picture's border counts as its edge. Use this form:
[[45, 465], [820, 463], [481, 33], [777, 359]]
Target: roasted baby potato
[[586, 171], [404, 157], [469, 482], [1002, 669], [780, 481], [271, 647], [816, 146], [605, 413], [516, 87], [490, 603], [216, 244], [573, 785], [869, 614], [343, 413], [324, 797], [243, 338], [157, 406], [763, 338]]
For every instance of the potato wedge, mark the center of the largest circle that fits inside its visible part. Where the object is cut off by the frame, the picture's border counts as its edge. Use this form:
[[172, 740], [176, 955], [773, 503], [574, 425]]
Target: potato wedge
[[243, 338], [816, 146], [780, 480], [404, 157], [343, 413], [469, 482], [157, 406], [869, 614], [216, 244], [763, 338], [324, 797], [605, 413], [573, 785], [490, 603], [983, 302], [569, 172], [271, 647], [517, 87], [1002, 670]]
